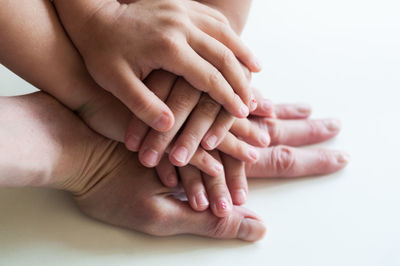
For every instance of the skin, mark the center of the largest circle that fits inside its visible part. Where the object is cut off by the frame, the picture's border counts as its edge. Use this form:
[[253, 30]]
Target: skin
[[109, 183], [57, 68], [185, 38]]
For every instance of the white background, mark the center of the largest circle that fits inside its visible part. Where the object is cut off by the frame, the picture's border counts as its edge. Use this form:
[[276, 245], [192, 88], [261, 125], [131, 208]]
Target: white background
[[343, 57]]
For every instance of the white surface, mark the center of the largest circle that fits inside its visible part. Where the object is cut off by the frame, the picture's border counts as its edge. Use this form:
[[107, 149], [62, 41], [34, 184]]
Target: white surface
[[341, 56]]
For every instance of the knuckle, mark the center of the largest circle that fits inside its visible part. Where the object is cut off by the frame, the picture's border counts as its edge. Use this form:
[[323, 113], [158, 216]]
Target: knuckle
[[171, 6], [214, 79], [208, 107], [282, 159], [227, 58], [169, 43], [274, 131], [314, 129], [182, 102], [224, 228]]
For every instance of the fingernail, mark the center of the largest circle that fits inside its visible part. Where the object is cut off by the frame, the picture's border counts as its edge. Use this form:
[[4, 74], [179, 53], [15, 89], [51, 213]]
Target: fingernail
[[303, 109], [244, 110], [163, 122], [240, 196], [133, 143], [266, 105], [253, 104], [265, 139], [171, 179], [201, 200], [218, 168], [257, 63], [251, 230], [150, 158], [181, 154], [343, 157], [222, 205], [332, 125], [212, 141], [253, 154]]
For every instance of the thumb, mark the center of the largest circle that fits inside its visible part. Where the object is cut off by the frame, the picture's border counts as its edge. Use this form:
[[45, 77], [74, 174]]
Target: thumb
[[240, 224]]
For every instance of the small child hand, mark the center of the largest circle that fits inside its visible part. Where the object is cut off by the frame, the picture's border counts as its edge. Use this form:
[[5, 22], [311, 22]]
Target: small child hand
[[122, 43]]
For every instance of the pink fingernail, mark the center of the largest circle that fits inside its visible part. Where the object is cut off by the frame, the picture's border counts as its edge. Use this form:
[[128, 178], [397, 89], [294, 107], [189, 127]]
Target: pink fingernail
[[201, 200], [257, 63], [332, 125], [304, 109], [133, 143], [163, 122], [253, 104], [212, 141], [264, 139], [150, 158], [240, 196], [244, 110], [218, 168], [222, 205], [343, 157], [253, 153], [181, 154]]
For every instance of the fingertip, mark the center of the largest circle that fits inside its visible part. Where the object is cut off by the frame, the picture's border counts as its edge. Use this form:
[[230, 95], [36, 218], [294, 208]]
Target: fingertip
[[199, 202], [251, 230], [132, 142], [239, 197], [222, 208], [209, 142], [342, 158], [179, 156], [164, 122], [253, 155], [149, 157]]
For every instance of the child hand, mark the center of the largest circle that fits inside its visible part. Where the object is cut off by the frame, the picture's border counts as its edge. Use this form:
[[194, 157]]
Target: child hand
[[122, 43]]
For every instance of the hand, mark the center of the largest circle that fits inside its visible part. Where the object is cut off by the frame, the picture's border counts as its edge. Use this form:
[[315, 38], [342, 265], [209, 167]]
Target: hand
[[147, 206], [122, 43], [110, 184]]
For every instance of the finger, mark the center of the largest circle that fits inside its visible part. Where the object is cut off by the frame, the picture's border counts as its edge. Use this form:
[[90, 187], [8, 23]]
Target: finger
[[301, 132], [141, 101], [182, 99], [193, 185], [265, 107], [240, 224], [160, 83], [167, 172], [206, 163], [285, 161], [238, 149], [225, 61], [196, 127], [292, 111], [205, 77], [225, 34], [235, 174], [217, 191], [250, 133], [218, 130]]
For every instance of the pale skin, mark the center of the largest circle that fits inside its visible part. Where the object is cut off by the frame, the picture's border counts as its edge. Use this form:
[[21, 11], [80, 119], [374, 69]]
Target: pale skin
[[108, 182], [55, 67], [55, 64], [122, 43]]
